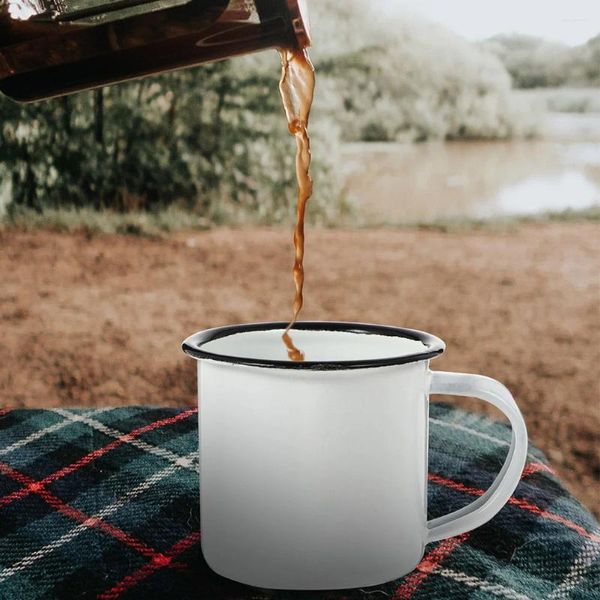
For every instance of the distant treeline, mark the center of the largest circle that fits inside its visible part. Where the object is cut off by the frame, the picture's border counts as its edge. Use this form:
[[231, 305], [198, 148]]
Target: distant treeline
[[213, 139], [533, 62]]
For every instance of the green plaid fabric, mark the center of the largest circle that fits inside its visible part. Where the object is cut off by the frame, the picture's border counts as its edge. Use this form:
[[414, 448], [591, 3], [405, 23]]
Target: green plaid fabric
[[104, 504]]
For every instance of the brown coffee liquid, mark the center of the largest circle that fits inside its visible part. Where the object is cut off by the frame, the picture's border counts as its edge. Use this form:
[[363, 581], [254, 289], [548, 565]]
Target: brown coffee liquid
[[297, 87]]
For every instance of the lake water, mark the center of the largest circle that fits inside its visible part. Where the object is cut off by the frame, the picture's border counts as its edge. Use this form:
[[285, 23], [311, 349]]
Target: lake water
[[403, 183]]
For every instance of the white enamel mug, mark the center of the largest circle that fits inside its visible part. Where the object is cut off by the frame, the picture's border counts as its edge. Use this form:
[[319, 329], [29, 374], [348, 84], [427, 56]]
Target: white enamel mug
[[313, 475]]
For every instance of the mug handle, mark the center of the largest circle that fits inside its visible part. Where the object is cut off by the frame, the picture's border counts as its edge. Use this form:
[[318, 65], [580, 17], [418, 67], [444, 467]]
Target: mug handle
[[486, 506]]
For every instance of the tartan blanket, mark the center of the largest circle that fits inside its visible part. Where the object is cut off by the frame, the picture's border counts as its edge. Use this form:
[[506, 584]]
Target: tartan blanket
[[104, 504]]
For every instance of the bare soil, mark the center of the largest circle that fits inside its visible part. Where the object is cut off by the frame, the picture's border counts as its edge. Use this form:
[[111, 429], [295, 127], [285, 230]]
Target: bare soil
[[98, 320]]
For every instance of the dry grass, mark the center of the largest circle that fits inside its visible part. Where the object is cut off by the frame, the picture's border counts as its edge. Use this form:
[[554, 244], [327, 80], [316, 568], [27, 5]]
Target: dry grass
[[89, 221], [160, 224]]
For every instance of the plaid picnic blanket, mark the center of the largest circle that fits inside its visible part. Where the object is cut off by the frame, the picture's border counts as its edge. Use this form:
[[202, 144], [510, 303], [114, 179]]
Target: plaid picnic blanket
[[104, 504]]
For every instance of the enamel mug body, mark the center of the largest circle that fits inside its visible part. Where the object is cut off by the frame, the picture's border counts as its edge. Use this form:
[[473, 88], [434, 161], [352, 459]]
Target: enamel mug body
[[315, 477]]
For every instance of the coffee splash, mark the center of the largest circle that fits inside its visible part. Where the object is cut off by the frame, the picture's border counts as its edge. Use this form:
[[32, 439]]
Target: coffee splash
[[297, 87]]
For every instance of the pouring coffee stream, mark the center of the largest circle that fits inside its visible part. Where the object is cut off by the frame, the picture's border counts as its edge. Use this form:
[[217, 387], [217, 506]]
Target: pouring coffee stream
[[297, 87]]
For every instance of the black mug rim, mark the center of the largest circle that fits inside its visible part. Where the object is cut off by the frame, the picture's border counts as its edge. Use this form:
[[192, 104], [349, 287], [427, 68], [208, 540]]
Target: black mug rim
[[192, 346]]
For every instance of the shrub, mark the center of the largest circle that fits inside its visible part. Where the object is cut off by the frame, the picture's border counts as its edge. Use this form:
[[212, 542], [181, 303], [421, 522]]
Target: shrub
[[212, 140], [406, 79]]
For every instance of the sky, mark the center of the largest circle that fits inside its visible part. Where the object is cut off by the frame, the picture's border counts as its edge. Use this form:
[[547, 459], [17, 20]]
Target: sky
[[570, 21]]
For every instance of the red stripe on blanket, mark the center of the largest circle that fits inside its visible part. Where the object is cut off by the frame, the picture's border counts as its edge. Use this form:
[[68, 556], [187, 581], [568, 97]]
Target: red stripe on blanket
[[144, 572], [430, 562], [532, 468], [62, 507], [520, 503], [88, 458]]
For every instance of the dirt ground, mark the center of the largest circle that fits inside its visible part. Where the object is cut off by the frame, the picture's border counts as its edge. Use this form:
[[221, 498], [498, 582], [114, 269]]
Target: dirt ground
[[99, 321]]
